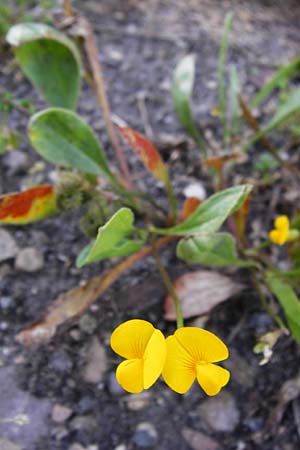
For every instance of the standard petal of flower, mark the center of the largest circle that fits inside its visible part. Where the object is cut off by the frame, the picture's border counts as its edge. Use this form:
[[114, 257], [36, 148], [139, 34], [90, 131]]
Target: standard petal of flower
[[278, 237], [282, 223], [130, 375], [212, 378], [154, 358], [201, 344], [130, 339], [179, 370]]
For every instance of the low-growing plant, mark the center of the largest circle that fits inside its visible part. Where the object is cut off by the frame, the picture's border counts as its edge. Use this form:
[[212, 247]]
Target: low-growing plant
[[123, 221]]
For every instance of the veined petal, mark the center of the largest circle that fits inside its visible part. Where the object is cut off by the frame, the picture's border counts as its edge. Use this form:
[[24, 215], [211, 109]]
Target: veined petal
[[282, 223], [201, 344], [279, 237], [154, 358], [130, 375], [179, 371], [212, 378], [130, 339]]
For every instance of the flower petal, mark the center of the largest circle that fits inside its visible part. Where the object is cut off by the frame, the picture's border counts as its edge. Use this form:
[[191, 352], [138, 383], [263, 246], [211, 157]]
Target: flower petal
[[130, 339], [282, 223], [179, 370], [154, 358], [201, 344], [278, 237], [212, 378], [130, 375]]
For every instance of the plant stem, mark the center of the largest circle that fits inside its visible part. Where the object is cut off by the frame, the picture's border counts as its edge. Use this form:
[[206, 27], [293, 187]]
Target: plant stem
[[172, 200], [168, 283], [252, 122], [99, 86], [265, 303]]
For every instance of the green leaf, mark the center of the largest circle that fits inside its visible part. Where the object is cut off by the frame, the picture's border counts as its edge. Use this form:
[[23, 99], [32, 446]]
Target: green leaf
[[282, 75], [289, 107], [289, 301], [61, 137], [183, 83], [216, 250], [221, 63], [234, 106], [211, 214], [50, 61], [111, 240]]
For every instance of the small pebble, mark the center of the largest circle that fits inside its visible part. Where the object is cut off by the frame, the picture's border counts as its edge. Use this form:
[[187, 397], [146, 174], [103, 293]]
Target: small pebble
[[5, 444], [60, 413], [145, 435], [88, 324], [60, 361], [8, 246], [29, 259], [95, 362], [113, 386], [220, 413]]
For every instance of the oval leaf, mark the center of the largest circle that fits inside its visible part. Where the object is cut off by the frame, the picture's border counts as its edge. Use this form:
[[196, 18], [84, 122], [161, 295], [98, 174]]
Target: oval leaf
[[28, 206], [217, 250], [183, 83], [61, 137], [111, 234], [288, 300], [199, 292], [50, 61], [211, 214], [288, 108]]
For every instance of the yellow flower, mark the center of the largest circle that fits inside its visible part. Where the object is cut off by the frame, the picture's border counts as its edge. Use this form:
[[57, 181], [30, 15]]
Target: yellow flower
[[144, 348], [190, 354], [279, 235]]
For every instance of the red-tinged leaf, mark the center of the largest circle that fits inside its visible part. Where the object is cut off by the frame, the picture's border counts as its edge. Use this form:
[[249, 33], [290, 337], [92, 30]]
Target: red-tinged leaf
[[218, 163], [240, 217], [199, 292], [146, 151], [28, 206], [190, 205]]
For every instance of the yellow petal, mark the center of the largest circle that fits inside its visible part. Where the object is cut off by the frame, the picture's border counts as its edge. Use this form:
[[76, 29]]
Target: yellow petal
[[282, 223], [201, 344], [154, 358], [179, 371], [278, 237], [130, 375], [130, 339], [212, 378]]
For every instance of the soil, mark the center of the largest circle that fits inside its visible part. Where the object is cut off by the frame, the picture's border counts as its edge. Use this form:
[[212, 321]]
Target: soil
[[140, 43]]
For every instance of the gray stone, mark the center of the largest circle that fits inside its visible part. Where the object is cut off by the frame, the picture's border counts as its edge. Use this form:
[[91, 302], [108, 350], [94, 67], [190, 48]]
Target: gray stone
[[76, 447], [29, 259], [199, 441], [138, 402], [88, 423], [24, 417], [88, 324], [113, 385], [240, 370], [6, 302], [220, 412], [60, 361], [16, 161], [5, 444], [60, 413], [95, 363], [145, 435], [8, 246]]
